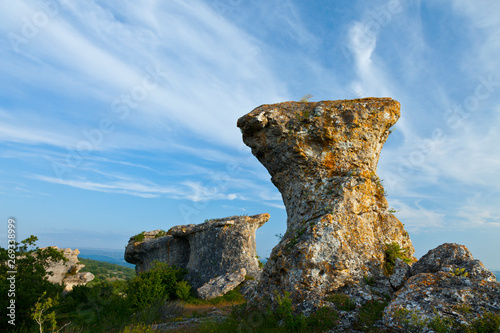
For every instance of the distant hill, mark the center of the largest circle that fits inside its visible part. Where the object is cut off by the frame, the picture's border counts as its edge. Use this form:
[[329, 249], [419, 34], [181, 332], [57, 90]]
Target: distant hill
[[106, 255], [107, 271]]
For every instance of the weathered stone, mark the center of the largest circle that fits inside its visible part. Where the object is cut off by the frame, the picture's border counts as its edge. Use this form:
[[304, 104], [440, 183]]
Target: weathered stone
[[67, 273], [322, 158], [401, 274], [441, 295], [450, 257], [222, 284], [447, 284], [208, 250], [166, 248]]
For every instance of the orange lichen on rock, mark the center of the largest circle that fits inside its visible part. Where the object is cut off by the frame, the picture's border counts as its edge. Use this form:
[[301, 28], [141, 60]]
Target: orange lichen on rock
[[323, 157]]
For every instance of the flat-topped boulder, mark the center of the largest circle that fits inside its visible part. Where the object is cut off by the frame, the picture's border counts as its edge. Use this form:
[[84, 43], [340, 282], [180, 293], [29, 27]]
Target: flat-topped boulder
[[322, 157], [207, 251]]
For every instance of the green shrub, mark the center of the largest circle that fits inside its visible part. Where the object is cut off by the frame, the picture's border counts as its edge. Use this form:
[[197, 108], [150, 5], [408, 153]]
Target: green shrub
[[182, 290], [31, 280], [392, 252], [139, 237], [161, 233], [489, 322], [160, 282], [369, 314]]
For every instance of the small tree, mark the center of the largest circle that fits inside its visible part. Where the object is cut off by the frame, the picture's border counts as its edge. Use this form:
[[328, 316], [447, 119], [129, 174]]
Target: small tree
[[42, 317], [31, 264]]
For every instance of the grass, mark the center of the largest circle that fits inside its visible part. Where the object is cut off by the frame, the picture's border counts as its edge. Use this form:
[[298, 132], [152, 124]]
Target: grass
[[369, 314], [392, 252], [342, 302]]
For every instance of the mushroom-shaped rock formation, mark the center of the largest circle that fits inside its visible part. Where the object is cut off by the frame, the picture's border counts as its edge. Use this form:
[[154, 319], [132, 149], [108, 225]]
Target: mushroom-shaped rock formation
[[322, 157], [209, 250]]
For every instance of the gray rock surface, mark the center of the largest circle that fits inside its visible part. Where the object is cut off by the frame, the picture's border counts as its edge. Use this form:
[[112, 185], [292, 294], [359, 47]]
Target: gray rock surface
[[437, 291], [208, 250], [222, 284], [401, 273], [449, 257], [322, 157], [166, 248]]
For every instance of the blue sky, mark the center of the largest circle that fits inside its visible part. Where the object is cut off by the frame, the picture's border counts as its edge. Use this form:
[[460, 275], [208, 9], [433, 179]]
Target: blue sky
[[120, 116]]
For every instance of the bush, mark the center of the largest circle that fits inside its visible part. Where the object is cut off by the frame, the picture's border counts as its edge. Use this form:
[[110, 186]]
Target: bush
[[182, 290], [139, 237], [392, 252], [160, 282], [31, 280]]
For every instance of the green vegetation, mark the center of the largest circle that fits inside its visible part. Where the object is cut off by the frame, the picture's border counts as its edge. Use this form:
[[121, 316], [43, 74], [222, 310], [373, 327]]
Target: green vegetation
[[140, 237], [104, 271], [31, 282], [369, 280], [161, 233], [162, 282], [121, 305], [342, 302], [392, 252], [261, 264], [369, 314], [393, 211], [279, 318], [412, 321]]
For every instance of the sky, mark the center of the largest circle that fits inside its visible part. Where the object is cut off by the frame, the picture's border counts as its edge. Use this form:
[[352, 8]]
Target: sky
[[120, 116]]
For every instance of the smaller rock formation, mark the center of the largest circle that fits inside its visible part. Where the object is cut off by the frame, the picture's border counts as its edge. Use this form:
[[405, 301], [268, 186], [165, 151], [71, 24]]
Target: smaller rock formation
[[221, 284], [447, 284], [67, 273], [208, 251]]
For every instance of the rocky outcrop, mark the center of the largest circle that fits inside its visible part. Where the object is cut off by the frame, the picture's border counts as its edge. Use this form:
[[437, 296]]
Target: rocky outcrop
[[322, 158], [447, 287], [67, 272], [207, 251], [156, 246]]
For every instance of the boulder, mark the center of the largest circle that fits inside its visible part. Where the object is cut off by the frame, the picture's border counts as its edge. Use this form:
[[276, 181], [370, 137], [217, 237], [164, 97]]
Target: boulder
[[322, 157], [222, 284], [400, 275], [207, 251], [447, 287], [452, 258]]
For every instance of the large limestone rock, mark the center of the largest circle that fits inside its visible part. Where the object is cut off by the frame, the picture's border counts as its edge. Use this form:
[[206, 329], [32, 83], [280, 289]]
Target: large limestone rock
[[67, 272], [322, 158], [447, 285], [207, 251], [156, 247]]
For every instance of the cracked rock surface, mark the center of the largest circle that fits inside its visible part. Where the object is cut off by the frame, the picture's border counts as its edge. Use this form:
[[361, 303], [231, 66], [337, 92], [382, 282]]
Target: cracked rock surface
[[207, 251], [322, 157]]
